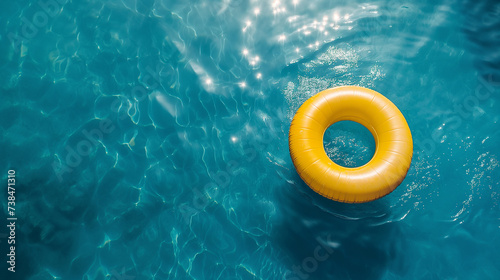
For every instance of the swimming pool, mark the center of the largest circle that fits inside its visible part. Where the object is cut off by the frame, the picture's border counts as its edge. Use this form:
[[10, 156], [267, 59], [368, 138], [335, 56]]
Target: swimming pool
[[149, 138]]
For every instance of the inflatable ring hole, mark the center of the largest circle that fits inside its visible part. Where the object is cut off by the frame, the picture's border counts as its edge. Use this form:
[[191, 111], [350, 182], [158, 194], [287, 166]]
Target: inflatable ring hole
[[349, 144]]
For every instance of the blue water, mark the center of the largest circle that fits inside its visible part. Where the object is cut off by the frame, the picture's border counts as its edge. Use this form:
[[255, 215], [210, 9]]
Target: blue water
[[149, 138]]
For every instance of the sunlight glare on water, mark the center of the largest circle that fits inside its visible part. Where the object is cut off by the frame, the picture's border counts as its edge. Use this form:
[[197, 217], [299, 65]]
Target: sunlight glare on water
[[150, 138]]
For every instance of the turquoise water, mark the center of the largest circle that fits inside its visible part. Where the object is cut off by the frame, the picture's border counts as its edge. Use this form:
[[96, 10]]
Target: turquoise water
[[149, 138]]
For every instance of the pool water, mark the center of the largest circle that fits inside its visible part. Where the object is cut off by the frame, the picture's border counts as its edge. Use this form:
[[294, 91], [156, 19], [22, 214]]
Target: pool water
[[349, 144], [149, 138]]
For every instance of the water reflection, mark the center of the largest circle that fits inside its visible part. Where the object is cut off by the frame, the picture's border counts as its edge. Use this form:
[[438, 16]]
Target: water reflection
[[323, 239], [481, 27]]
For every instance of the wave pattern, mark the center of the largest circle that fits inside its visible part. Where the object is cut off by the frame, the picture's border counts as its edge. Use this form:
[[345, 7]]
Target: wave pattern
[[150, 138]]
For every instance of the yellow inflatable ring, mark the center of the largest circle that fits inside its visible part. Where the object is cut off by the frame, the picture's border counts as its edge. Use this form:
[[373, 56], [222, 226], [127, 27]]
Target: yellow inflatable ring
[[393, 152]]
